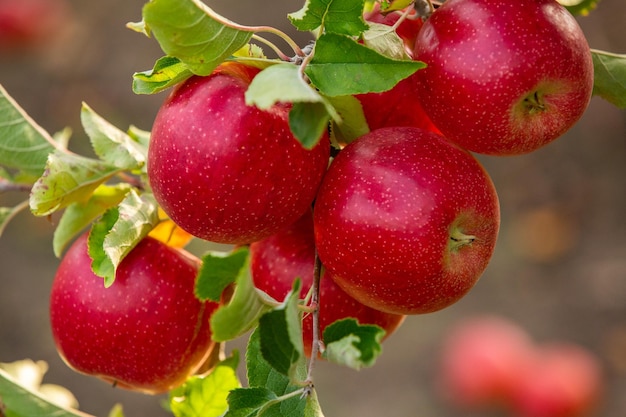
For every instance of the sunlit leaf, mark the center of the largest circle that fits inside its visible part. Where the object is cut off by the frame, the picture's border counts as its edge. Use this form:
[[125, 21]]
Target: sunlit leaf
[[112, 145], [342, 66], [24, 145], [336, 16], [352, 344], [68, 178], [167, 72], [581, 7], [192, 32], [79, 215], [219, 271], [352, 123], [610, 77]]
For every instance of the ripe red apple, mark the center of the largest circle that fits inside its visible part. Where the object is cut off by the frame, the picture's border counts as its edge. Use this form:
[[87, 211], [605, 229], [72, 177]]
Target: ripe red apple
[[225, 171], [147, 332], [565, 380], [405, 221], [503, 77], [277, 260], [481, 361]]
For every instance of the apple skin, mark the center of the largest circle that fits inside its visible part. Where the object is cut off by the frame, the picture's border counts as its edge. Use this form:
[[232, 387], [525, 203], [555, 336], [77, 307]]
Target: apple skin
[[405, 221], [277, 260], [565, 380], [503, 77], [228, 172], [481, 361], [147, 332]]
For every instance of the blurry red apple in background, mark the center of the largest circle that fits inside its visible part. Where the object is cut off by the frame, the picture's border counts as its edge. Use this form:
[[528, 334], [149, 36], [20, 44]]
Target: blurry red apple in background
[[406, 222], [28, 23], [147, 332], [481, 361], [503, 77], [278, 260], [565, 380], [225, 171]]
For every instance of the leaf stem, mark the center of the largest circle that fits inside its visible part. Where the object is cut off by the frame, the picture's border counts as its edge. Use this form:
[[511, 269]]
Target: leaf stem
[[6, 186], [273, 47]]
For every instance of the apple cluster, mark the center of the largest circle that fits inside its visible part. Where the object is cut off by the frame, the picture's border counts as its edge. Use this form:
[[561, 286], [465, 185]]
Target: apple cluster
[[404, 219], [490, 362]]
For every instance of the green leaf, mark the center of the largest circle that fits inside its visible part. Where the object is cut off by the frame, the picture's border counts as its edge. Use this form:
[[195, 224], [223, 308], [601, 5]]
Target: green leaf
[[581, 7], [217, 272], [610, 77], [24, 397], [118, 232], [112, 145], [167, 72], [24, 145], [389, 6], [246, 402], [280, 331], [308, 122], [243, 311], [79, 215], [280, 83], [384, 40], [206, 395], [342, 66], [352, 123], [192, 32], [335, 16], [68, 178], [351, 344]]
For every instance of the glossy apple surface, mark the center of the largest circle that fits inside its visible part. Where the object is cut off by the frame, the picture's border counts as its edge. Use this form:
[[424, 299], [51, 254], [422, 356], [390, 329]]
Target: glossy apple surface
[[564, 381], [147, 332], [225, 171], [482, 359], [275, 263], [405, 221], [503, 77]]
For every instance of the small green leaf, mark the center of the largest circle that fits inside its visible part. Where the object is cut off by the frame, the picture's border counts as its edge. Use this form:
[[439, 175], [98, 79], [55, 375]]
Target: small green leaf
[[308, 122], [118, 231], [280, 331], [243, 311], [192, 32], [167, 72], [351, 344], [280, 83], [352, 123], [335, 16], [217, 272], [391, 5], [24, 145], [384, 40], [247, 402], [579, 7], [79, 215], [112, 146], [206, 395], [342, 66], [610, 77], [68, 178]]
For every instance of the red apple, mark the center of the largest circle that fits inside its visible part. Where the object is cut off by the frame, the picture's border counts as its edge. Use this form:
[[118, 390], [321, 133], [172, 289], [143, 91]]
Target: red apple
[[405, 221], [481, 361], [225, 171], [503, 77], [26, 23], [277, 260], [564, 381], [147, 332]]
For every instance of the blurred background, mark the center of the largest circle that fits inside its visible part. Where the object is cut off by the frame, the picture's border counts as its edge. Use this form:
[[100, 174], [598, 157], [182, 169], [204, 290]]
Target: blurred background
[[559, 269]]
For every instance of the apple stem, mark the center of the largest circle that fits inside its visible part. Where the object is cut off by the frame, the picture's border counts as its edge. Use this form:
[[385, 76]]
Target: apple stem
[[459, 239], [534, 103], [315, 298]]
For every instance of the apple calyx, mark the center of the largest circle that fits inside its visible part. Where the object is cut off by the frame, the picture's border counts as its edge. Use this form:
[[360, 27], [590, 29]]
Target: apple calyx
[[534, 103]]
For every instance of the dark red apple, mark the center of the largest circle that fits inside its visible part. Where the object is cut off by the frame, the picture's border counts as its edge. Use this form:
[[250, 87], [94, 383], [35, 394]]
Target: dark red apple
[[281, 258], [147, 332], [564, 381], [503, 77], [405, 221], [482, 359], [225, 171]]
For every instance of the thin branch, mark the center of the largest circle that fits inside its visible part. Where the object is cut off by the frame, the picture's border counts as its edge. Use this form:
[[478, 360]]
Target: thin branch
[[317, 344], [6, 186]]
